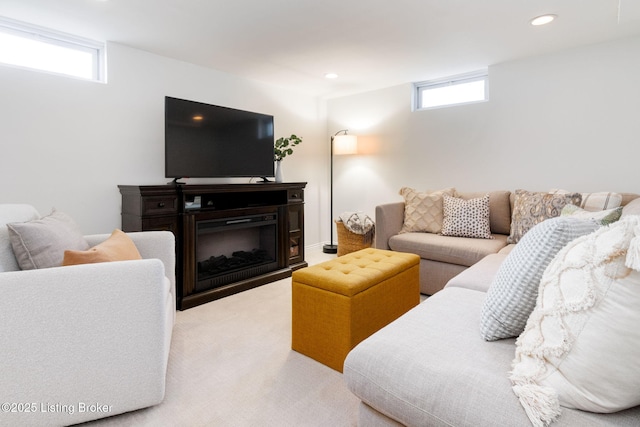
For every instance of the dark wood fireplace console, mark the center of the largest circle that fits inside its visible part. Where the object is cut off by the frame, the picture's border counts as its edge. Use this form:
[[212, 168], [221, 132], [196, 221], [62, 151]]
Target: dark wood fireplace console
[[215, 217]]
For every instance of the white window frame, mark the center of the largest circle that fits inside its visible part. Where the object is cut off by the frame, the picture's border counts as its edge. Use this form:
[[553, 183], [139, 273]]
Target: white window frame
[[68, 41], [421, 87]]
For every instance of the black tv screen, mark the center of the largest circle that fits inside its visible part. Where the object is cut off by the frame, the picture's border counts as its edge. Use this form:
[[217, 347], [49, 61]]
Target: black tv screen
[[210, 141]]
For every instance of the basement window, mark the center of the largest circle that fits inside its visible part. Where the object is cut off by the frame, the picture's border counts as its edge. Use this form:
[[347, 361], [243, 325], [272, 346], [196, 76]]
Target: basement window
[[27, 46], [455, 90]]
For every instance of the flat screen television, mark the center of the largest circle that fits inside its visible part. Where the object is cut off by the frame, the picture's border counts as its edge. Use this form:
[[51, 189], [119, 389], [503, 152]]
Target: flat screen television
[[210, 141]]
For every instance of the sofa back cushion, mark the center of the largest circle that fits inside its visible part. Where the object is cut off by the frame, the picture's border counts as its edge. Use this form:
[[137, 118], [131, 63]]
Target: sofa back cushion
[[12, 213], [499, 209], [632, 207]]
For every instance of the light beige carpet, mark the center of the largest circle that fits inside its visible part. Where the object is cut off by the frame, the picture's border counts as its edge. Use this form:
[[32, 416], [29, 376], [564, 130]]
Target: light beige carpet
[[231, 364]]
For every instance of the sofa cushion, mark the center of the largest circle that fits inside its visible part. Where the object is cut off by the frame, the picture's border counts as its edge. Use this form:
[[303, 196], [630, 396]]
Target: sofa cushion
[[499, 209], [466, 218], [431, 368], [41, 243], [480, 275], [464, 251], [632, 208], [118, 247], [507, 249], [12, 213], [411, 369], [531, 208], [628, 198], [423, 210], [580, 346], [512, 295]]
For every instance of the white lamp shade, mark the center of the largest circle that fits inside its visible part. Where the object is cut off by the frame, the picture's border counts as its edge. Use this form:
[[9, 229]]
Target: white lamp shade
[[345, 144]]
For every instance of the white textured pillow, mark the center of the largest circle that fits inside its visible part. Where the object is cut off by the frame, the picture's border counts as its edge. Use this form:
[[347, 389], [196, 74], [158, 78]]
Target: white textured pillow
[[581, 344], [466, 218], [512, 295], [423, 210]]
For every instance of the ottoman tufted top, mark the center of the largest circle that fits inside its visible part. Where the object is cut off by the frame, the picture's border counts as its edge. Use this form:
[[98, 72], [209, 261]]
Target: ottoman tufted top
[[355, 272]]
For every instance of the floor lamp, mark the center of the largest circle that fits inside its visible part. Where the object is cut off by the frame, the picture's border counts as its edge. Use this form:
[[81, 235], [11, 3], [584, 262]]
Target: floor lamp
[[340, 144]]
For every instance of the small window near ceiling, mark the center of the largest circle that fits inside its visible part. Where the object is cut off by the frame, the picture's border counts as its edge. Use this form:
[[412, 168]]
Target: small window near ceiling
[[26, 46], [456, 90]]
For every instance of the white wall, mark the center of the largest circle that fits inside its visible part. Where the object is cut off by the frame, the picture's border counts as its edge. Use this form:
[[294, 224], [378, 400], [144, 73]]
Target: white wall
[[568, 120], [68, 143]]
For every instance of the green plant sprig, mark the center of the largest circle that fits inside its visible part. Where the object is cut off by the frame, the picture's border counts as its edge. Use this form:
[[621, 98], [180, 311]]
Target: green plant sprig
[[284, 147]]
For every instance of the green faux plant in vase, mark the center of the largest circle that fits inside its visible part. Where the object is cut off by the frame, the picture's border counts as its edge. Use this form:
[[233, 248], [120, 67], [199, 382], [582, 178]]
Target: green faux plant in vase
[[284, 147]]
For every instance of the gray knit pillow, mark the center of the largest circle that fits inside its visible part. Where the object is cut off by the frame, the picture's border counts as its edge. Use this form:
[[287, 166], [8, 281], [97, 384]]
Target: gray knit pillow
[[513, 292], [41, 243]]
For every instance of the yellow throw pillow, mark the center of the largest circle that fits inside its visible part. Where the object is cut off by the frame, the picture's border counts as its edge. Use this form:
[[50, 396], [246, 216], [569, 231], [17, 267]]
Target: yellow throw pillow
[[118, 247]]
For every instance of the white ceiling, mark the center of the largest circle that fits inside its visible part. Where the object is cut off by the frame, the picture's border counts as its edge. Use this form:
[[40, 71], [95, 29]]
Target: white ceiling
[[369, 43]]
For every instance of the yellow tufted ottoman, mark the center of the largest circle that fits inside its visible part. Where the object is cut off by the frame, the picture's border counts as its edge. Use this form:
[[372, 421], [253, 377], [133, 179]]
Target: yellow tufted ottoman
[[338, 303]]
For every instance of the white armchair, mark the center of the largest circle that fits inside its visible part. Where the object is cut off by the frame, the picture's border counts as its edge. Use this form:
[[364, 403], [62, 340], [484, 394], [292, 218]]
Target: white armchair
[[87, 341]]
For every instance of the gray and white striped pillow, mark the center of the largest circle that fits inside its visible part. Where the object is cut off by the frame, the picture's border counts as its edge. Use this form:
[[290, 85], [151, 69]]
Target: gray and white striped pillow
[[513, 292], [594, 202]]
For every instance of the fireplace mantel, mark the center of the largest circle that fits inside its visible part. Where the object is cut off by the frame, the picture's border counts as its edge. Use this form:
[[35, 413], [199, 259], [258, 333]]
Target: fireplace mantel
[[180, 208]]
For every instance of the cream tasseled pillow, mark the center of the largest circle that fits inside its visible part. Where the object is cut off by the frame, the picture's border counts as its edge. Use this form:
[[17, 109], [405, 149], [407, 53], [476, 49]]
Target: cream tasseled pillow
[[580, 346], [423, 211]]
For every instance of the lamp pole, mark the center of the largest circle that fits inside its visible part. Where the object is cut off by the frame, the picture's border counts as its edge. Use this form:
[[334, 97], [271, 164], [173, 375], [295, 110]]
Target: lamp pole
[[332, 248]]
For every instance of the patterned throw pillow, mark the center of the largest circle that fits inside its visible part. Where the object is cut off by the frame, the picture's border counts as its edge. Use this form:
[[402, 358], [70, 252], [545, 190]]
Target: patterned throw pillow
[[423, 210], [580, 345], [466, 218], [512, 295], [531, 208]]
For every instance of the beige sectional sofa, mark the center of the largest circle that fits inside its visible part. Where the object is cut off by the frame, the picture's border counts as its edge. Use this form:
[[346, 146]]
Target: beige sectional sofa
[[431, 367], [444, 257]]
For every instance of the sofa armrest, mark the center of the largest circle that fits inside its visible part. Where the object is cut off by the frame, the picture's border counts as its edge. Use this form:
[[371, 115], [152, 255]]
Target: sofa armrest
[[85, 333], [150, 244], [389, 220]]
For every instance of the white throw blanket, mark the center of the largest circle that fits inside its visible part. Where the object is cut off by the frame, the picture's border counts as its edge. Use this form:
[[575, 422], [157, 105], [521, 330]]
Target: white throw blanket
[[359, 223]]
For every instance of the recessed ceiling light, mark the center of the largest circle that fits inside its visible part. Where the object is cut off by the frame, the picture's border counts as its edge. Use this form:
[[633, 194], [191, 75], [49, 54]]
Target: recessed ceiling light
[[331, 76], [543, 19]]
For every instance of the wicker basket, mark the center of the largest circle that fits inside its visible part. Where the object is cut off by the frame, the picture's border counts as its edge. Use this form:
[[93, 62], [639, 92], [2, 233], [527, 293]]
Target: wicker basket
[[348, 241]]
